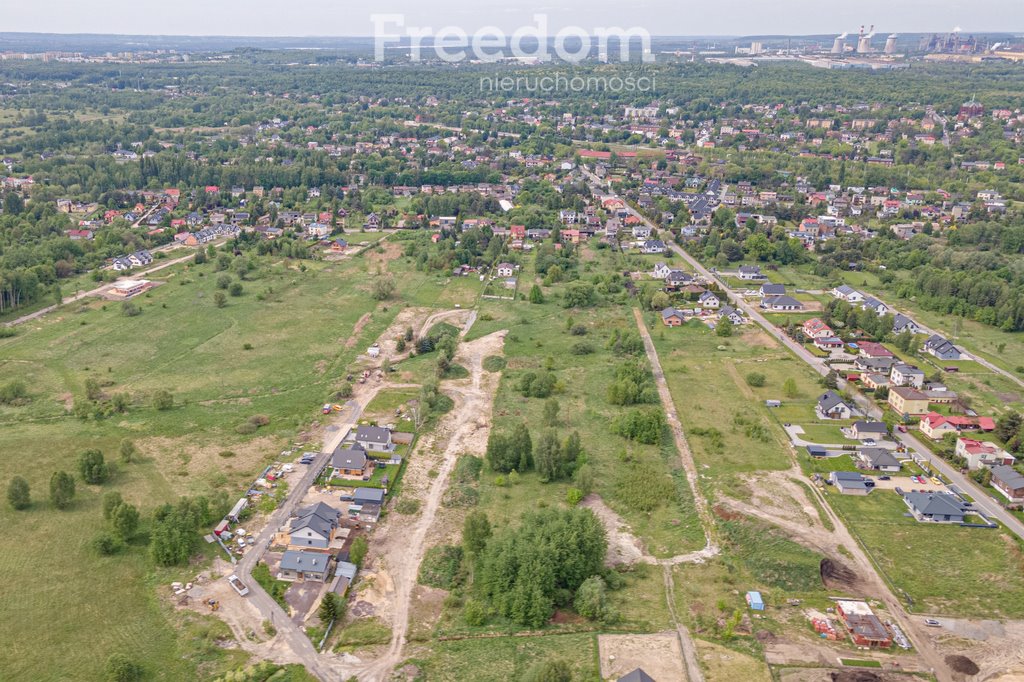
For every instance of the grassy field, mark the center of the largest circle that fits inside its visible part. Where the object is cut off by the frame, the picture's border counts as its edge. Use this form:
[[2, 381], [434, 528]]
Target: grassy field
[[730, 430], [65, 602], [945, 569], [507, 658]]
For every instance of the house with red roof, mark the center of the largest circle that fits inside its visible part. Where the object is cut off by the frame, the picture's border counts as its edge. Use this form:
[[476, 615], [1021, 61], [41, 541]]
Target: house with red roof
[[935, 425], [979, 454], [870, 349]]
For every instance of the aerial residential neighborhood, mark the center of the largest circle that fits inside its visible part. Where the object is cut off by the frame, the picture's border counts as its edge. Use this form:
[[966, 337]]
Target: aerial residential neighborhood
[[331, 358]]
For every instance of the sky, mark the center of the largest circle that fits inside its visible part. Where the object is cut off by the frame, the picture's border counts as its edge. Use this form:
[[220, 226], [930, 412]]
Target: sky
[[658, 17]]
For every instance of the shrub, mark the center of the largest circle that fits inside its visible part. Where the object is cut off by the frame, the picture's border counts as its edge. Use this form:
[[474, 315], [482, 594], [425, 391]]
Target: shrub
[[407, 506], [581, 348], [442, 567], [467, 469], [14, 392], [643, 426], [107, 544], [18, 493], [236, 289], [129, 309], [756, 379]]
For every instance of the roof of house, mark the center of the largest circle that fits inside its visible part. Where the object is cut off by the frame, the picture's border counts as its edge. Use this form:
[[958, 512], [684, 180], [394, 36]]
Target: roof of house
[[1008, 476], [878, 457], [935, 420], [637, 675], [707, 296], [783, 301], [349, 459], [371, 495], [306, 562], [750, 268], [671, 312], [829, 400], [773, 289], [905, 369], [874, 350], [373, 434], [908, 393], [346, 570], [845, 290], [319, 517], [865, 426], [935, 504], [900, 321]]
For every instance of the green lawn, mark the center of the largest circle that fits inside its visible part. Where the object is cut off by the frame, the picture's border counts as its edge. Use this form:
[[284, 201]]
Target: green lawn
[[298, 324], [945, 569], [507, 658]]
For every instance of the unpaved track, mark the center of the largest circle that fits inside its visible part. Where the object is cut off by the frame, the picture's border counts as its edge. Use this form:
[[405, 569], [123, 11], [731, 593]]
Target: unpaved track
[[404, 547]]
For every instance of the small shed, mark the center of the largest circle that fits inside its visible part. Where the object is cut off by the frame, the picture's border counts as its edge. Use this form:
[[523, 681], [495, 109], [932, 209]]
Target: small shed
[[754, 601], [817, 451], [773, 403]]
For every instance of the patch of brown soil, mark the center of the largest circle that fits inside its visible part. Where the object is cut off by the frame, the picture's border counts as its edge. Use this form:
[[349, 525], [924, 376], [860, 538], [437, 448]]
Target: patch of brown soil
[[855, 676], [836, 575], [962, 664]]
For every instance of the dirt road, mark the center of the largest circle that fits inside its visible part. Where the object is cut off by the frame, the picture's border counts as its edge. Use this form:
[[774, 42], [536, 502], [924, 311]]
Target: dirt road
[[399, 551]]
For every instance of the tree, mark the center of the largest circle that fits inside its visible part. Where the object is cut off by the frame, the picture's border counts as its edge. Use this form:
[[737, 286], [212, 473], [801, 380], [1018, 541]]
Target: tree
[[219, 299], [383, 287], [591, 600], [200, 256], [536, 295], [92, 467], [224, 281], [331, 608], [111, 501], [62, 489], [125, 520], [583, 477], [659, 300], [724, 328], [127, 450], [163, 400], [236, 289], [551, 670], [357, 551], [789, 388], [580, 295], [551, 409], [18, 493], [756, 379], [174, 535], [476, 531], [120, 668], [547, 457]]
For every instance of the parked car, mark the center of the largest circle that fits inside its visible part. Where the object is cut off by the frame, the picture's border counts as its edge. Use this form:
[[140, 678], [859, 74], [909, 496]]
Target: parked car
[[902, 428], [936, 480], [932, 623], [869, 441], [884, 478], [326, 408]]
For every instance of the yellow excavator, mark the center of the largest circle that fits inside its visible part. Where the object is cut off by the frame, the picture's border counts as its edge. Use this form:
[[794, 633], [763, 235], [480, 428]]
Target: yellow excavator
[[213, 604]]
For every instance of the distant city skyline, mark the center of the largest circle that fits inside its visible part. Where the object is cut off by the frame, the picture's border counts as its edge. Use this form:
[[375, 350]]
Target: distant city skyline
[[331, 18]]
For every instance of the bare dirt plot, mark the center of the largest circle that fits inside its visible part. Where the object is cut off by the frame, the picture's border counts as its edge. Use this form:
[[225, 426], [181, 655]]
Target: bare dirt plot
[[623, 546], [659, 655], [727, 665], [357, 330], [377, 260], [407, 317], [996, 648]]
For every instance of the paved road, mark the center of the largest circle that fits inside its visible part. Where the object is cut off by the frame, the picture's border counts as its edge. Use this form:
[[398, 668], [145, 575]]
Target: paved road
[[97, 291], [982, 499], [268, 608]]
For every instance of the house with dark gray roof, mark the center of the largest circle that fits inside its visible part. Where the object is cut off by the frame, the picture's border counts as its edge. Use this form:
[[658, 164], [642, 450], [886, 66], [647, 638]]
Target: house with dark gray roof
[[314, 526], [832, 406], [302, 565], [901, 323], [877, 459], [863, 429], [1009, 482], [731, 314], [349, 461], [750, 272], [850, 483], [367, 504], [781, 303], [935, 507], [768, 289], [637, 675], [941, 348], [374, 438]]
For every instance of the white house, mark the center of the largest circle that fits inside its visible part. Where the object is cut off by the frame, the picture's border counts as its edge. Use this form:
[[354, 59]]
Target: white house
[[506, 270], [848, 294]]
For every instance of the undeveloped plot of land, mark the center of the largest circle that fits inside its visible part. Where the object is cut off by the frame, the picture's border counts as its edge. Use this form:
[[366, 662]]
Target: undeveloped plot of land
[[357, 330], [726, 665], [995, 648], [659, 655]]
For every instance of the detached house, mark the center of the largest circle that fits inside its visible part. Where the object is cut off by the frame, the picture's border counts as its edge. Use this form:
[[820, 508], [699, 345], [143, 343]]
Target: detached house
[[653, 246], [769, 289], [661, 271], [901, 323], [848, 294], [935, 425], [781, 304], [935, 507], [877, 459], [832, 406], [349, 462], [906, 375], [709, 301], [1009, 482], [907, 401], [750, 273], [863, 430], [730, 314], [816, 329], [374, 438], [314, 527], [979, 454], [941, 348], [672, 317], [303, 565]]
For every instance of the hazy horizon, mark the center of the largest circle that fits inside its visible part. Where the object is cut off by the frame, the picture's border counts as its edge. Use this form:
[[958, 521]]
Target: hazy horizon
[[328, 19]]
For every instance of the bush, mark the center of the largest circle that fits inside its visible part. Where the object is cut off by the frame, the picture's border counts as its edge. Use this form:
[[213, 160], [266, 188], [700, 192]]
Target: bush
[[474, 613], [163, 400], [245, 429], [467, 469], [494, 363], [555, 670], [643, 488], [756, 379], [129, 309], [18, 493], [14, 392], [537, 384], [578, 330], [442, 567], [644, 426], [107, 544], [236, 289], [407, 506], [581, 348], [92, 467], [120, 668]]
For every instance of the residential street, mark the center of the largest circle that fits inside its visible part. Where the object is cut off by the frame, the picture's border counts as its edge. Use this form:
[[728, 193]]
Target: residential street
[[983, 499]]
